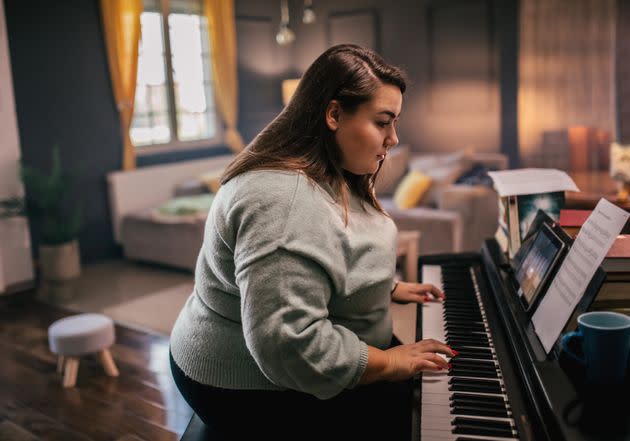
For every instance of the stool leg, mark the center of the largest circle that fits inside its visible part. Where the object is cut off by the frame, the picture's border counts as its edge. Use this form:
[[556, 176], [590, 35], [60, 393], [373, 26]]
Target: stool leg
[[71, 367], [108, 363], [60, 361]]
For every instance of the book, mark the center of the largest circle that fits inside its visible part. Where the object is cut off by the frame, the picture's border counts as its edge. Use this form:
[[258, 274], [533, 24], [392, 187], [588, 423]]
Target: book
[[522, 209], [617, 258], [572, 220]]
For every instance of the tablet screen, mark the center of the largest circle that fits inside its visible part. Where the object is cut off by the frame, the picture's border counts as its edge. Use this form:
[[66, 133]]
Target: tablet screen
[[539, 261]]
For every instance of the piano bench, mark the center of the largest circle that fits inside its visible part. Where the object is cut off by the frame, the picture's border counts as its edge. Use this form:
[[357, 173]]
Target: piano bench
[[198, 431]]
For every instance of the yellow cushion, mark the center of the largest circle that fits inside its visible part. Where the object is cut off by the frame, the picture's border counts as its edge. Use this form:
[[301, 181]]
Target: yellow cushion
[[411, 189], [212, 179]]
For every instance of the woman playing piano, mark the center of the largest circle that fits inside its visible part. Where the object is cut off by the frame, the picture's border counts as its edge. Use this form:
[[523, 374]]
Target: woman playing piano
[[288, 333]]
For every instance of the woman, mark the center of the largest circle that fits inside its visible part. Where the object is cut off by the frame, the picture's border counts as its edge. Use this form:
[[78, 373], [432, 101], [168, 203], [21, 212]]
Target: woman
[[288, 331]]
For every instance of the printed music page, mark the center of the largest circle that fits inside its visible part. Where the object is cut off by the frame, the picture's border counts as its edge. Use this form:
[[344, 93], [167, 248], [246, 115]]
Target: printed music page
[[588, 251]]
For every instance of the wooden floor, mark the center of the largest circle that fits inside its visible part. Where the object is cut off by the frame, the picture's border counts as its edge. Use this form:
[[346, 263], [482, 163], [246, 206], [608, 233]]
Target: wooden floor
[[141, 404]]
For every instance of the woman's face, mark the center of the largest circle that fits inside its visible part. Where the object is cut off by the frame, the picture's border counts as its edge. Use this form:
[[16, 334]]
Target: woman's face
[[365, 137]]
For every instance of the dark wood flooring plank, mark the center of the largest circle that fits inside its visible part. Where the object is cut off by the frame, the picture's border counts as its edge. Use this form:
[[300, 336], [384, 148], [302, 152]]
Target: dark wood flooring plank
[[143, 403], [38, 424], [76, 410]]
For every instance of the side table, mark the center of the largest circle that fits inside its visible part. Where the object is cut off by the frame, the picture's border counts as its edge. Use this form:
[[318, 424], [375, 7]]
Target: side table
[[407, 245], [404, 316]]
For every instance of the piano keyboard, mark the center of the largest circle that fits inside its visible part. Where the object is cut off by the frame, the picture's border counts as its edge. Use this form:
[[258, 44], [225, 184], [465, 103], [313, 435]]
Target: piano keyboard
[[469, 402]]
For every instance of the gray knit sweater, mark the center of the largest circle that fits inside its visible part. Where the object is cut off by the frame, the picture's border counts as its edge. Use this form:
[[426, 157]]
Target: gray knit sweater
[[286, 295]]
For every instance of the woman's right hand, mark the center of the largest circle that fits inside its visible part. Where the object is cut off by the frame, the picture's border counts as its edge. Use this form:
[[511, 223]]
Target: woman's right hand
[[405, 361]]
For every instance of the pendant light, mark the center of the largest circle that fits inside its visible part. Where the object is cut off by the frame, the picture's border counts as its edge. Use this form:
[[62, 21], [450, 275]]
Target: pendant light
[[285, 35]]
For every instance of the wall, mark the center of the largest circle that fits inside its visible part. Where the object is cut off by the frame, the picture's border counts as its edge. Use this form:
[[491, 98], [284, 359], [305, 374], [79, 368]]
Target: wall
[[450, 50], [63, 93], [63, 96], [566, 74], [16, 267], [622, 71]]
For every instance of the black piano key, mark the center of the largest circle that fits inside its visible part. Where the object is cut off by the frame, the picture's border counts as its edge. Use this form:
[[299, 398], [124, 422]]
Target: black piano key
[[462, 317], [481, 351], [464, 328], [473, 381], [479, 388], [461, 339], [475, 373], [464, 334], [451, 304], [465, 438], [479, 411], [471, 426], [472, 341], [498, 405], [479, 398], [463, 362], [466, 323], [472, 355], [478, 384]]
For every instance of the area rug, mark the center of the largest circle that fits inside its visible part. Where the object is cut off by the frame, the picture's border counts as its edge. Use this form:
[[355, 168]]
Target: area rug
[[155, 312]]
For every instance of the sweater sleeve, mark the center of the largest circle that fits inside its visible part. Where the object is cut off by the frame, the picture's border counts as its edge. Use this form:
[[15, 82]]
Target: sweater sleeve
[[284, 297]]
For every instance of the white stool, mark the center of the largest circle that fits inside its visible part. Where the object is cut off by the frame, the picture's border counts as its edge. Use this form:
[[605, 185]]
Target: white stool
[[78, 335]]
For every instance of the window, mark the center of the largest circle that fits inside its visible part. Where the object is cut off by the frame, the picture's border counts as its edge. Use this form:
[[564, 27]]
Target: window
[[174, 102]]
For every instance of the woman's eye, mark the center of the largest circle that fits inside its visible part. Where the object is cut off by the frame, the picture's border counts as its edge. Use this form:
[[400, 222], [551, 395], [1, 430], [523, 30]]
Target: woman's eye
[[383, 123]]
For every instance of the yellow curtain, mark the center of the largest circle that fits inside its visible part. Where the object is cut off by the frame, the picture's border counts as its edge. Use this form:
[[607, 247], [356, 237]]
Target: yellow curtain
[[121, 28], [222, 32]]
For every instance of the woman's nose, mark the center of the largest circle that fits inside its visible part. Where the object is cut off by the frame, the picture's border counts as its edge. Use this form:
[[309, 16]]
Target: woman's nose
[[392, 138]]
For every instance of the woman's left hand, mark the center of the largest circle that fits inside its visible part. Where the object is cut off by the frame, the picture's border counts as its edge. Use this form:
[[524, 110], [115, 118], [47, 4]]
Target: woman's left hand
[[416, 292]]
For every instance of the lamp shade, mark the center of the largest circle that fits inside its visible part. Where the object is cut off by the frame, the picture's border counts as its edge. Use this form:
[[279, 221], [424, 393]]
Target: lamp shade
[[288, 89]]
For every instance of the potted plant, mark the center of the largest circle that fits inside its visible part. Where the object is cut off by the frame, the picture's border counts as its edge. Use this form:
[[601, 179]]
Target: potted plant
[[55, 218]]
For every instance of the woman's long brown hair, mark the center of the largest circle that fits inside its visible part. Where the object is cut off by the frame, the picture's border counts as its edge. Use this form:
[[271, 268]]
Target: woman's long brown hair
[[299, 139]]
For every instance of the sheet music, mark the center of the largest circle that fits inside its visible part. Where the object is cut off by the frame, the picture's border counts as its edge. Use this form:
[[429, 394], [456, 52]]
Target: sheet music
[[531, 181], [588, 251]]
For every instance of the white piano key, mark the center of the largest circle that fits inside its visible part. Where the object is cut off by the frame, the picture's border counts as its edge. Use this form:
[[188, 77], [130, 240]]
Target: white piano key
[[436, 418], [443, 435]]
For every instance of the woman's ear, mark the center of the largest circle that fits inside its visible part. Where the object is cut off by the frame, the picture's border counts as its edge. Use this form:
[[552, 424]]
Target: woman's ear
[[332, 115]]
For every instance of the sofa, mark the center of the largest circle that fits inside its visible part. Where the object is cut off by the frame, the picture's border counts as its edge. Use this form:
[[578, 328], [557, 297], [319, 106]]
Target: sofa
[[146, 235], [452, 218], [456, 214]]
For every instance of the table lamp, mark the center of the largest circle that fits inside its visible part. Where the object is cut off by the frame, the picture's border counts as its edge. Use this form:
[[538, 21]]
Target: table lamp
[[620, 169], [288, 89]]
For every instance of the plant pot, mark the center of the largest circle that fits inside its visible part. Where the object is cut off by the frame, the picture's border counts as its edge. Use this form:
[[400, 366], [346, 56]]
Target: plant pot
[[60, 262]]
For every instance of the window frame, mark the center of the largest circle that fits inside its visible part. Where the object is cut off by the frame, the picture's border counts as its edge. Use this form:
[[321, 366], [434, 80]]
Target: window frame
[[175, 144]]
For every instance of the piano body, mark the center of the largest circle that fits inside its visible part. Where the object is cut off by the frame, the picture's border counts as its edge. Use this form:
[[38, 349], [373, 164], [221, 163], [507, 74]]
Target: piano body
[[502, 384]]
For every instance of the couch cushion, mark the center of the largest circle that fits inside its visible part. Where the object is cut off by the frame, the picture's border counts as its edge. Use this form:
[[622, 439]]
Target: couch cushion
[[444, 170], [190, 187], [392, 171], [212, 179], [186, 205], [412, 189]]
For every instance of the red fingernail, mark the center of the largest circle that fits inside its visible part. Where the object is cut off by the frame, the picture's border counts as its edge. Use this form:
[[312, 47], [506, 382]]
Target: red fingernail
[[454, 352], [450, 366]]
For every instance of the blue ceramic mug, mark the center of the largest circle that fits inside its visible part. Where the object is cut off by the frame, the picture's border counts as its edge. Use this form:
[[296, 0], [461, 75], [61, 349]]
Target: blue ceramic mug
[[605, 338]]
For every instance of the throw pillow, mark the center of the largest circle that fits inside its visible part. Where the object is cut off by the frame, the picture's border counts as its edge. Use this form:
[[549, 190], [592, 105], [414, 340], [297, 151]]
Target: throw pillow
[[444, 169], [393, 169], [411, 189], [477, 175], [190, 187], [212, 179], [197, 205]]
